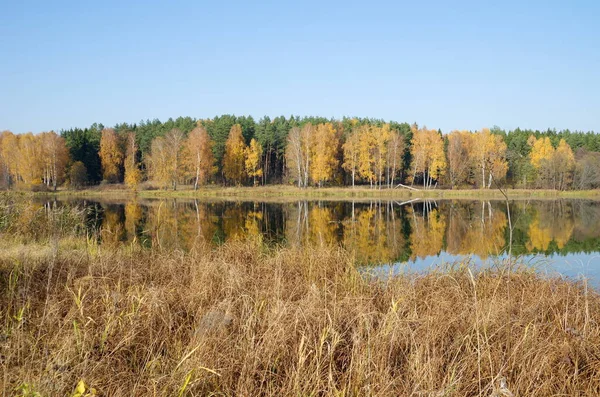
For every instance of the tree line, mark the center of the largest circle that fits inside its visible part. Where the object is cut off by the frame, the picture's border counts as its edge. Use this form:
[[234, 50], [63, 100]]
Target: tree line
[[308, 151]]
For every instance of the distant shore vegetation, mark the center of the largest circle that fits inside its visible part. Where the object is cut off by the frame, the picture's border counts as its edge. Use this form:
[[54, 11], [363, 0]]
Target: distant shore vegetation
[[304, 152]]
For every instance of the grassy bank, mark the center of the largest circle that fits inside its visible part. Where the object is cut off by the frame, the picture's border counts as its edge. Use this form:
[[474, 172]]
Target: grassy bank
[[243, 319], [284, 192]]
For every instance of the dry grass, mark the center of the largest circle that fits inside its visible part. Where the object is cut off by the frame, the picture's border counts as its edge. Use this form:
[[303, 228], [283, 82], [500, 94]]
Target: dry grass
[[244, 319]]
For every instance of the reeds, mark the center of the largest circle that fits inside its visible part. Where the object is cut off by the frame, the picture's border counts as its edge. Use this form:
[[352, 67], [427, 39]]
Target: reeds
[[246, 319]]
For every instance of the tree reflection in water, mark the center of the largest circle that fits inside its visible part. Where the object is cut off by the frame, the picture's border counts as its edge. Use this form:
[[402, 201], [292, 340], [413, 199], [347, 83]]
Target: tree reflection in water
[[376, 232]]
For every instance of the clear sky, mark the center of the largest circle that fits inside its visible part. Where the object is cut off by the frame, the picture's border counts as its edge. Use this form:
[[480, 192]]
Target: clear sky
[[444, 64]]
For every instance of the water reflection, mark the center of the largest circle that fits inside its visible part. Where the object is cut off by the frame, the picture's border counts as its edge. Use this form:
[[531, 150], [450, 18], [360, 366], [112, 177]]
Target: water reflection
[[378, 232]]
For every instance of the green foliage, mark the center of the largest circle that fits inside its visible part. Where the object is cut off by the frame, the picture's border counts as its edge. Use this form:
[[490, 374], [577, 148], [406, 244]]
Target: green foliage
[[84, 146], [26, 390]]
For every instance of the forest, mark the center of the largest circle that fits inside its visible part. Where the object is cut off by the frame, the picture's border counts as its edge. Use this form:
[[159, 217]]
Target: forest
[[301, 151]]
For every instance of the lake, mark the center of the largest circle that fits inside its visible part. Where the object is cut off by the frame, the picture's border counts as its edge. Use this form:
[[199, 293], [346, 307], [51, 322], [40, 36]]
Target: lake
[[390, 236]]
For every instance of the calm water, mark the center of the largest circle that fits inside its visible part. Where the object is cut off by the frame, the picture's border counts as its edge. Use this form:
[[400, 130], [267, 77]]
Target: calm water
[[558, 235]]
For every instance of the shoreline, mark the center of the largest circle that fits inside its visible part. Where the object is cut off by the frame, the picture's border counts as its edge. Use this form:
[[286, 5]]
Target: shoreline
[[285, 192]]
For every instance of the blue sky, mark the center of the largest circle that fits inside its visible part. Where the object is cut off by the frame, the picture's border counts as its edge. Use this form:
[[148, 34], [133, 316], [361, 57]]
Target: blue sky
[[448, 65]]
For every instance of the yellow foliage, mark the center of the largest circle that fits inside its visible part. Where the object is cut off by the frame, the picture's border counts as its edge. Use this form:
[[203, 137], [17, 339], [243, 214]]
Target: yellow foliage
[[541, 149], [199, 159], [428, 158], [298, 153], [235, 154], [427, 237], [133, 216], [323, 152], [133, 175], [351, 150], [546, 227], [323, 230], [490, 156], [460, 155], [253, 157], [111, 155]]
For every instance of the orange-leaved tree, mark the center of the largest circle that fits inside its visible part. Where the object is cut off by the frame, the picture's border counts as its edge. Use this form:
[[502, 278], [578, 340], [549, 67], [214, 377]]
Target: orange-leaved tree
[[29, 168], [133, 175], [199, 157], [460, 157], [111, 155]]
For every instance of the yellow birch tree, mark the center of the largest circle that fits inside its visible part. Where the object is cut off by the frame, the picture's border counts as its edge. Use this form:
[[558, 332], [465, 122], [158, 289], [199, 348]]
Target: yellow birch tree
[[55, 157], [298, 153], [351, 154], [199, 156], [323, 152], [253, 157], [460, 154], [111, 155], [234, 158], [133, 175]]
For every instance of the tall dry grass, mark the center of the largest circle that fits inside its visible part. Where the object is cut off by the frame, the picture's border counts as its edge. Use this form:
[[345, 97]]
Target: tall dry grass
[[244, 319]]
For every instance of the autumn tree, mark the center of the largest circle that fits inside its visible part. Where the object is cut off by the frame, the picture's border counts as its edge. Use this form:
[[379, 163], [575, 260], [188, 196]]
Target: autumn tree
[[555, 166], [55, 156], [9, 155], [29, 168], [418, 152], [32, 159], [460, 157], [380, 153], [199, 157], [111, 155], [253, 160], [541, 149], [394, 156], [174, 144], [366, 157], [541, 157], [379, 145], [489, 152], [165, 158], [428, 157], [235, 156], [323, 152], [563, 162], [157, 162], [351, 150], [133, 175], [4, 174], [298, 153]]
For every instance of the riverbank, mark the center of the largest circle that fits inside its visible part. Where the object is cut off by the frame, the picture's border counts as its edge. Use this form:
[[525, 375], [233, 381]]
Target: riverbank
[[260, 193]]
